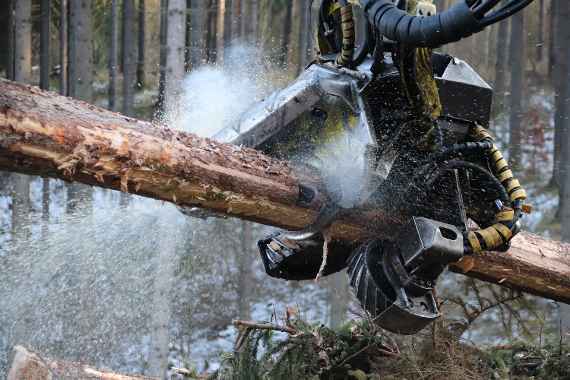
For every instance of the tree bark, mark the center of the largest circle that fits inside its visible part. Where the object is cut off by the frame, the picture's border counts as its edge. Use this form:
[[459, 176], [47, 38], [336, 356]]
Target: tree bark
[[30, 366], [45, 23], [45, 134], [129, 56], [23, 41]]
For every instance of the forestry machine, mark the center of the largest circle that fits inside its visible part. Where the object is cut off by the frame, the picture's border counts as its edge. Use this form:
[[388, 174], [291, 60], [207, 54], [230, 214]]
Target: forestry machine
[[411, 123]]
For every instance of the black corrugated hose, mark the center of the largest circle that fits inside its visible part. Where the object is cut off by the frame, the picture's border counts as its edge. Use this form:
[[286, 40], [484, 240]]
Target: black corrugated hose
[[461, 20]]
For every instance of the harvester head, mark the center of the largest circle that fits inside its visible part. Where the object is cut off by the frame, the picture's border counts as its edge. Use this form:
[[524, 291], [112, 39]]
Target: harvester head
[[391, 125]]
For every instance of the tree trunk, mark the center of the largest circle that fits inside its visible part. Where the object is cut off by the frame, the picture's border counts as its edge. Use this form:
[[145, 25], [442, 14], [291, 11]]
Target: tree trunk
[[140, 83], [236, 19], [46, 134], [163, 50], [11, 40], [45, 23], [113, 55], [63, 53], [244, 269], [223, 30], [175, 44], [517, 66], [80, 50], [129, 56], [540, 37], [197, 24], [561, 50], [23, 41], [210, 31], [151, 49], [565, 184], [501, 63], [163, 282], [286, 36], [21, 206]]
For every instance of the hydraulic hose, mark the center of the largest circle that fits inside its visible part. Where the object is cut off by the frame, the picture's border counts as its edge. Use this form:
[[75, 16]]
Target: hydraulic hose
[[348, 33], [461, 20]]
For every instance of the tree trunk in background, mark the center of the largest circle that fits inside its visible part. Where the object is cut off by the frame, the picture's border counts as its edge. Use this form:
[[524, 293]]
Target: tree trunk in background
[[305, 35], [223, 30], [21, 206], [565, 194], [517, 63], [23, 41], [175, 44], [166, 263], [197, 23], [63, 53], [299, 36], [45, 206], [152, 43], [45, 36], [501, 63], [140, 81], [286, 36], [11, 40], [129, 56], [80, 50], [210, 32], [267, 30], [162, 64], [236, 19], [113, 55], [540, 44], [552, 39], [561, 50], [244, 269], [250, 17], [79, 198]]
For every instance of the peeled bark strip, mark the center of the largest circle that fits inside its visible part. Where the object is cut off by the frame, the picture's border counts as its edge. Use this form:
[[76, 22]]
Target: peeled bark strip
[[46, 134], [30, 366]]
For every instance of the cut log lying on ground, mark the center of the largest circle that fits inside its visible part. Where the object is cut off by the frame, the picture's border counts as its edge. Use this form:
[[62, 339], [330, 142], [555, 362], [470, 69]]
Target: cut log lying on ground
[[49, 135], [27, 365]]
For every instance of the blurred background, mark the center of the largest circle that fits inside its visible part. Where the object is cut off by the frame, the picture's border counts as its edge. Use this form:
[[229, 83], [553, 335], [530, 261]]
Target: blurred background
[[132, 284]]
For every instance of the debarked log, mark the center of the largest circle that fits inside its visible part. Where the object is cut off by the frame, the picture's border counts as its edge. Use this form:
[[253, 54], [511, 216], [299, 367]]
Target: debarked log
[[46, 134]]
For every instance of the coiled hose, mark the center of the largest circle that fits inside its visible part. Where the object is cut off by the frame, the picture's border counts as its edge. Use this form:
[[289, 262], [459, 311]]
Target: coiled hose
[[505, 225], [461, 20], [348, 33]]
